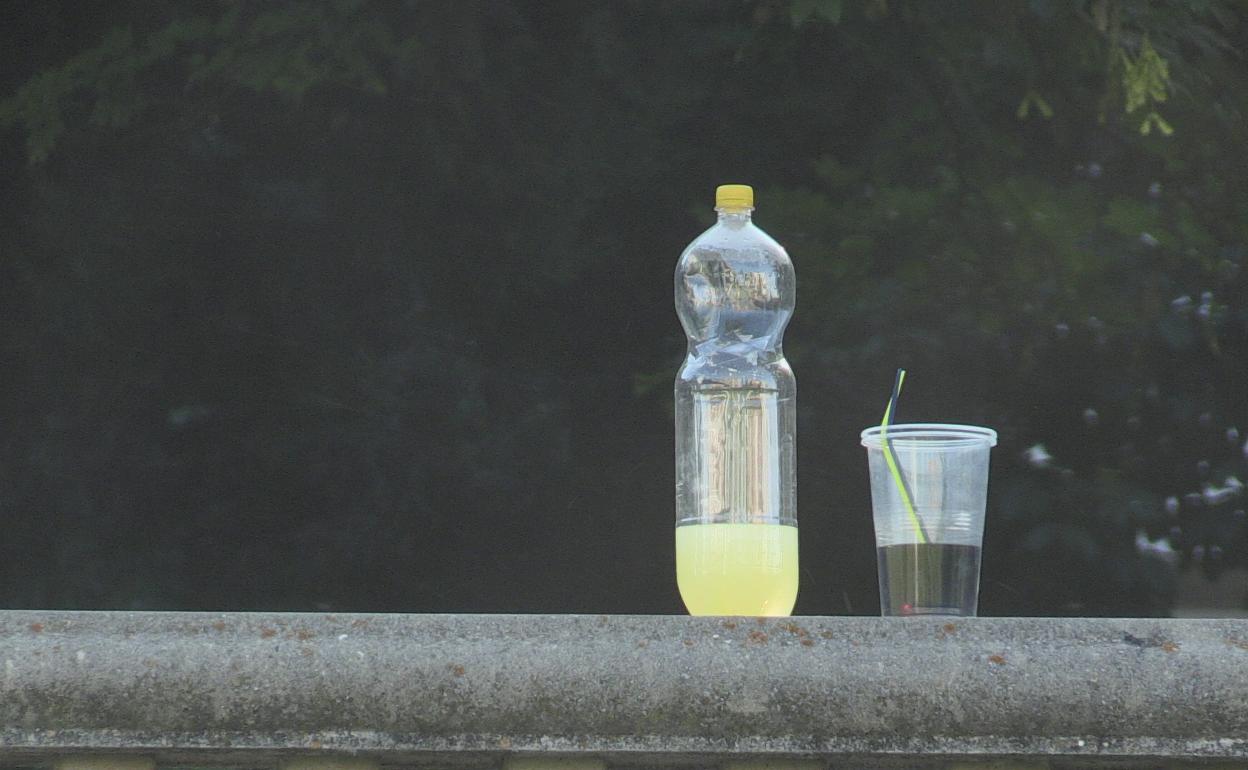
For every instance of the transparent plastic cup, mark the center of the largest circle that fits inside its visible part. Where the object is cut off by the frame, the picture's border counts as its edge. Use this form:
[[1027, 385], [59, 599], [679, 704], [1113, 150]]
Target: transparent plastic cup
[[929, 552]]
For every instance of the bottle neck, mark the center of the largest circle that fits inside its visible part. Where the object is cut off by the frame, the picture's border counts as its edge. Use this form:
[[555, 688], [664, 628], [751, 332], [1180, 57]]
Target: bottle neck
[[734, 215]]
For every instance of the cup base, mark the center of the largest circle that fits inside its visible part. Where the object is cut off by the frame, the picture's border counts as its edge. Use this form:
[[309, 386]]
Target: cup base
[[929, 579]]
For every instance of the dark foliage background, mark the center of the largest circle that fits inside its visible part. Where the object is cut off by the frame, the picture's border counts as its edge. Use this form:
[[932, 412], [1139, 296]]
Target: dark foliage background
[[361, 305]]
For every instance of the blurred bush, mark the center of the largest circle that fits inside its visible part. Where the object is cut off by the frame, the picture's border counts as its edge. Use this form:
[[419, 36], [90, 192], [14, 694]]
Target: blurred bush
[[364, 305]]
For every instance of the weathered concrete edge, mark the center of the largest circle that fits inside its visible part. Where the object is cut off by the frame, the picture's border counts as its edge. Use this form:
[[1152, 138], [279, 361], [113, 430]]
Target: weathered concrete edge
[[34, 748], [404, 687]]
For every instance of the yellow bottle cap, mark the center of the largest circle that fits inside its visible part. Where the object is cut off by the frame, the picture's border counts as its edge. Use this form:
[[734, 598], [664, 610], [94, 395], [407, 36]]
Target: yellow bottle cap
[[734, 196]]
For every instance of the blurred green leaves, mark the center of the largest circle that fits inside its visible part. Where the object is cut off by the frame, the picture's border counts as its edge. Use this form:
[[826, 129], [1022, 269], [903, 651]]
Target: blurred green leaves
[[1145, 83], [285, 49], [1032, 99], [801, 11]]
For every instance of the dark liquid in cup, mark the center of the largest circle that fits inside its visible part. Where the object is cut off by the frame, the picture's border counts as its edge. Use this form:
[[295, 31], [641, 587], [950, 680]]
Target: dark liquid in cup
[[929, 579]]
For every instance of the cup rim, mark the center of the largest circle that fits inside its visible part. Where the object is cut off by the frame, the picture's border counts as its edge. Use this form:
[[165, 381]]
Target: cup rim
[[930, 434]]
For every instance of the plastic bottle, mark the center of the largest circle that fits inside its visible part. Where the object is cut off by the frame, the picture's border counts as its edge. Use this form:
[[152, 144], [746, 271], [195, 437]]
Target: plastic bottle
[[736, 489]]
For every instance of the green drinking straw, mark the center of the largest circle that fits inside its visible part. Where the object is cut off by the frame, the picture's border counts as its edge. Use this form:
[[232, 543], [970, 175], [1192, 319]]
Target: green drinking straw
[[894, 465]]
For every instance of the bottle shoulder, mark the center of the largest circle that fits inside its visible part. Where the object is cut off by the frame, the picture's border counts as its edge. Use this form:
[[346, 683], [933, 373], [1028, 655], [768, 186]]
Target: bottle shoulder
[[743, 238], [735, 285]]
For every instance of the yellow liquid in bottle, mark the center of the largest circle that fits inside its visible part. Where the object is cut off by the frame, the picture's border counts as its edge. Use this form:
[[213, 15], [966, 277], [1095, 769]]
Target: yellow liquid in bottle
[[737, 569]]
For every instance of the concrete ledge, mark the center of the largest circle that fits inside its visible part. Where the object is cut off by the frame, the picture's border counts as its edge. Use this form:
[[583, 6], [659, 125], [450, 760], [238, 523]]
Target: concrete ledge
[[253, 689]]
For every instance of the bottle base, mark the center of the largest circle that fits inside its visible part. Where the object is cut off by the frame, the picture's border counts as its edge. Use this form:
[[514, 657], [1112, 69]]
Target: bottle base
[[737, 569]]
